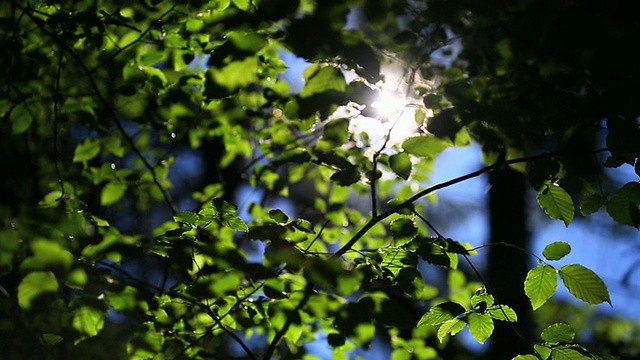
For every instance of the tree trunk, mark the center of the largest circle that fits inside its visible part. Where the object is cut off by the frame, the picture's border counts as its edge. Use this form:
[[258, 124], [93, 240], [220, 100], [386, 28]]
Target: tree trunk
[[507, 267]]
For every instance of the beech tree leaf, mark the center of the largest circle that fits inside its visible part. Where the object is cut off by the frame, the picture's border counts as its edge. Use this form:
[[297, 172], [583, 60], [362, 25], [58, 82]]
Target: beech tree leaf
[[540, 284], [112, 193], [325, 79], [34, 285], [498, 312], [569, 353], [450, 327], [623, 206], [86, 150], [556, 250], [233, 222], [591, 203], [424, 145], [403, 229], [441, 313], [278, 216], [556, 203], [401, 164], [21, 119], [584, 284], [88, 321], [558, 333], [525, 357], [481, 326]]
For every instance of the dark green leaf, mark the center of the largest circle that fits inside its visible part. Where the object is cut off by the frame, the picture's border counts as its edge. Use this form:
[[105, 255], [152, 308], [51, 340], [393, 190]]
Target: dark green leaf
[[401, 164], [325, 79], [403, 230], [623, 206], [278, 216], [336, 131], [21, 118], [591, 203]]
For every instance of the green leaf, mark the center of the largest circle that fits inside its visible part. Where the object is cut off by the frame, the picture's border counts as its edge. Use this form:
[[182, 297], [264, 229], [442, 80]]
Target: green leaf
[[556, 203], [503, 313], [234, 222], [591, 203], [86, 151], [33, 285], [303, 225], [623, 206], [480, 326], [21, 119], [112, 193], [556, 250], [424, 146], [336, 131], [525, 357], [186, 217], [346, 176], [401, 164], [278, 216], [47, 255], [540, 284], [297, 156], [558, 333], [584, 284], [88, 321], [325, 79], [441, 313], [450, 327], [403, 229], [569, 353]]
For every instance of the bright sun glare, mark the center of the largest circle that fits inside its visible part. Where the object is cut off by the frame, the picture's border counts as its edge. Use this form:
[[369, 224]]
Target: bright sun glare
[[393, 110]]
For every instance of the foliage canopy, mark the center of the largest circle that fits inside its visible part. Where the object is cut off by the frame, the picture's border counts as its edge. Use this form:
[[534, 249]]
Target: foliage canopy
[[129, 128]]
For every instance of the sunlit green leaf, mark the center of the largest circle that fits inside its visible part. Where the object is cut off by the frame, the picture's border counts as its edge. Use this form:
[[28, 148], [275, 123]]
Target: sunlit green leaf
[[503, 313], [88, 320], [325, 79], [525, 357], [540, 284], [556, 250], [424, 146], [584, 284], [569, 353], [86, 151], [480, 326], [450, 327], [441, 313], [556, 203], [33, 285], [112, 193], [558, 333], [47, 255]]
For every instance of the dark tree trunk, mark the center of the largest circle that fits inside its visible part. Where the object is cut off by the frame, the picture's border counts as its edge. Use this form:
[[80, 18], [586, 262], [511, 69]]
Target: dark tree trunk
[[507, 267]]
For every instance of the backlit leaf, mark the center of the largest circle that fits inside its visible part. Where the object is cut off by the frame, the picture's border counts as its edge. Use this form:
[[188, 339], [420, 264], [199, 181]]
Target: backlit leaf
[[86, 151], [556, 203], [623, 206], [480, 326], [21, 118], [584, 284], [403, 229], [450, 327], [558, 333], [441, 313], [424, 146], [503, 313], [112, 193], [88, 321], [33, 285], [556, 250], [325, 79], [540, 284]]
